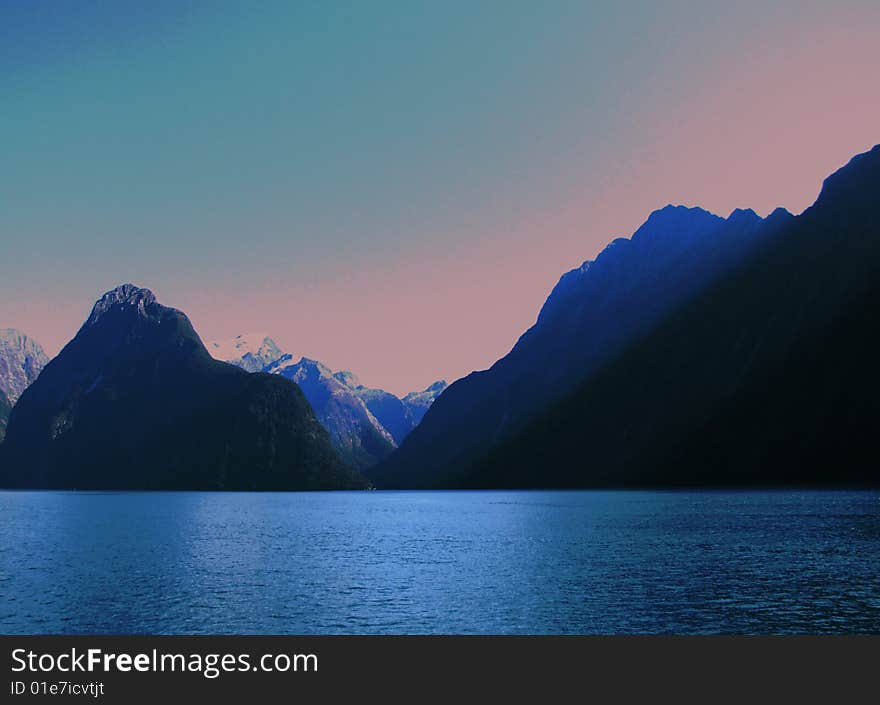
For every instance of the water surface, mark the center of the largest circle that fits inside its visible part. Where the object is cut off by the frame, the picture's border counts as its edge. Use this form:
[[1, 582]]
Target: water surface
[[440, 562]]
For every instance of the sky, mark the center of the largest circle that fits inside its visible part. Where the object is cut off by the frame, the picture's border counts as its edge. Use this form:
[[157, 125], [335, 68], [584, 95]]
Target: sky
[[394, 187]]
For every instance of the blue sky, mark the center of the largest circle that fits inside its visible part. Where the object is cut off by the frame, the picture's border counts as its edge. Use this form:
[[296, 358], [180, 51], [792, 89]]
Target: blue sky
[[391, 187]]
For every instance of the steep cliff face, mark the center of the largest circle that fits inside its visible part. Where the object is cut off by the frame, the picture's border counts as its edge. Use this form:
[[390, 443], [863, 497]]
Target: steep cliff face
[[21, 360], [136, 401], [5, 409], [365, 424], [357, 435], [418, 403]]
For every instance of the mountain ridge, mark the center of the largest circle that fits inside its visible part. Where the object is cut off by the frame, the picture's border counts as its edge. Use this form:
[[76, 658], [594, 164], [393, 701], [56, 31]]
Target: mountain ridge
[[364, 423], [355, 432], [764, 377], [589, 316], [134, 401]]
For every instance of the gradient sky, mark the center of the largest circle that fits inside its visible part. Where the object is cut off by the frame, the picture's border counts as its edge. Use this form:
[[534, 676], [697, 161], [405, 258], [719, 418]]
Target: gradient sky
[[394, 187]]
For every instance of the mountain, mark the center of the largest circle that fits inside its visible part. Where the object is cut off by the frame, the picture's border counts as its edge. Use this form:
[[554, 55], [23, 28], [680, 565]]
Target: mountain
[[250, 352], [21, 360], [5, 410], [767, 377], [388, 410], [357, 435], [398, 416], [361, 429], [591, 315], [348, 378], [417, 403], [135, 401]]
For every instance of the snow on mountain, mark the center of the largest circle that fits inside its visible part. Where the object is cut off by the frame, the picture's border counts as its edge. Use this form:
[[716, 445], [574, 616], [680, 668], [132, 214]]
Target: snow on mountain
[[356, 433], [251, 352], [417, 403], [364, 423], [21, 360], [134, 401]]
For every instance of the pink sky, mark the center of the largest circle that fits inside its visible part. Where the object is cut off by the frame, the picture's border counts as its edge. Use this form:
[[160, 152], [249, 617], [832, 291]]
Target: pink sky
[[751, 124], [761, 131]]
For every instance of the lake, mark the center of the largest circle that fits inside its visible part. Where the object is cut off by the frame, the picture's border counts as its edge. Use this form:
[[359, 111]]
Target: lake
[[496, 562]]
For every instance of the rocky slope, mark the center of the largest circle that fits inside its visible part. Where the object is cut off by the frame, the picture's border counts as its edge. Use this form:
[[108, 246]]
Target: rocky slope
[[135, 401], [355, 432], [5, 410], [398, 416], [364, 423], [251, 352], [418, 403], [21, 360]]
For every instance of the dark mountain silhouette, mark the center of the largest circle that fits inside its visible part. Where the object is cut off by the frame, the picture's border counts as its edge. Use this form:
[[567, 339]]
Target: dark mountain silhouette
[[592, 314], [135, 401], [768, 377]]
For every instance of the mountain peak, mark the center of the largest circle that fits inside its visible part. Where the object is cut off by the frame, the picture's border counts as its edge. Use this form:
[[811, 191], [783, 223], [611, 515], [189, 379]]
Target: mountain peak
[[438, 386], [417, 403], [429, 392], [319, 367], [250, 351], [123, 296], [743, 215], [667, 231], [779, 215], [136, 402], [671, 217]]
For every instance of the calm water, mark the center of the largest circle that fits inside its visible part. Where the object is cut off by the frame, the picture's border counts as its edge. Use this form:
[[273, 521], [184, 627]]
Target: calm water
[[447, 562]]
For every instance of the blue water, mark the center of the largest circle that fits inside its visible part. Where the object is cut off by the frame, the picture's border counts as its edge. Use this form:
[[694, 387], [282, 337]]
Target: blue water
[[440, 562]]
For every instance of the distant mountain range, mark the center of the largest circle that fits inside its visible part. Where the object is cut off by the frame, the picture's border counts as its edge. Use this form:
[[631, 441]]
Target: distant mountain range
[[21, 360], [135, 401], [365, 424], [251, 353], [702, 351], [356, 434]]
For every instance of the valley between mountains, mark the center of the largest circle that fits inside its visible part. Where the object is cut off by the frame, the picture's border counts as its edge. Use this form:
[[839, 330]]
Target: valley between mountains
[[701, 351]]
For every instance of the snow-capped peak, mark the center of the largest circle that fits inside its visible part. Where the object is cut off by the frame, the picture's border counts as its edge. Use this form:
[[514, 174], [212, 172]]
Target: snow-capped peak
[[240, 345], [253, 351]]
